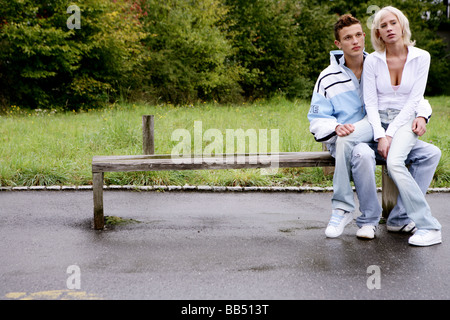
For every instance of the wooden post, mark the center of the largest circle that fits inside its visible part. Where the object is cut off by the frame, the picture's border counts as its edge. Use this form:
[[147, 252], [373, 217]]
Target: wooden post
[[97, 187], [389, 193], [327, 170], [148, 139]]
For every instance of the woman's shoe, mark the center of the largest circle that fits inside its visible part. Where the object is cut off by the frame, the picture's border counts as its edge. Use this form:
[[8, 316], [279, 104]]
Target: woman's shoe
[[424, 238]]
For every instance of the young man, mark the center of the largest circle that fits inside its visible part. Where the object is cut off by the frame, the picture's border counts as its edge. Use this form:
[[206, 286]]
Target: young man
[[338, 118]]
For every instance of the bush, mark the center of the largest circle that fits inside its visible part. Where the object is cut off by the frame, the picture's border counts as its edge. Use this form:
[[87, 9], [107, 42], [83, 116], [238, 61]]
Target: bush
[[273, 42], [44, 64], [182, 51], [188, 50], [425, 18]]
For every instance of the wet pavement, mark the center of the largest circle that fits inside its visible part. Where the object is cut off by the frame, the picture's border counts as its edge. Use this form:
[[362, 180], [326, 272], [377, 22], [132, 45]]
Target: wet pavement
[[208, 246]]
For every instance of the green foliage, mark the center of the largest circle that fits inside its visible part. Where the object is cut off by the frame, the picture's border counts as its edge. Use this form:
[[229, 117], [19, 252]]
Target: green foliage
[[44, 63], [265, 38], [425, 17], [184, 51], [35, 55], [188, 49]]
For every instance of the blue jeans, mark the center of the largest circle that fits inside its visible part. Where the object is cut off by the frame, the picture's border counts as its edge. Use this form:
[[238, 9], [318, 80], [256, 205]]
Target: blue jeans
[[422, 160], [411, 193], [354, 158], [358, 161], [363, 165]]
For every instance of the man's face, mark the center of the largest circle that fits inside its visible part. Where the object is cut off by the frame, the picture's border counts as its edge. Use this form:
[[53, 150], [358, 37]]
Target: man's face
[[351, 40]]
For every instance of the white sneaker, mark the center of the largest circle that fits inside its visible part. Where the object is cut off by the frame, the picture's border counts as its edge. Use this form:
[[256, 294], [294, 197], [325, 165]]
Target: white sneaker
[[366, 232], [407, 228], [339, 219], [424, 238]]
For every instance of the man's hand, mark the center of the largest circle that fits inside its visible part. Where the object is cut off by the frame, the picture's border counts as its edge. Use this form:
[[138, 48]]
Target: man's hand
[[383, 146], [343, 130], [419, 126]]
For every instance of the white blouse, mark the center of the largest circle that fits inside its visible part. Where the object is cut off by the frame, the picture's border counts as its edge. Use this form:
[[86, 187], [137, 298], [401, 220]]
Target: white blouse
[[379, 94]]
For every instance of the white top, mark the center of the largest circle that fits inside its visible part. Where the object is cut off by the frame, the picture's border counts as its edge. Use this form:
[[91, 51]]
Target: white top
[[379, 93]]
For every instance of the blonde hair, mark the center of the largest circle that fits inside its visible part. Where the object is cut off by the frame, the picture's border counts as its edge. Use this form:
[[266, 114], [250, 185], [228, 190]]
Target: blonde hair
[[377, 43]]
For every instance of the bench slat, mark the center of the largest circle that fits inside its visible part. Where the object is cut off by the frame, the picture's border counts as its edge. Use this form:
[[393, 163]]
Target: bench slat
[[221, 161]]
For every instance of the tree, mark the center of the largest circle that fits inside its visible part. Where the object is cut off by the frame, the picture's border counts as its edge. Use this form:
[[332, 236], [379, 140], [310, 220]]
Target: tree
[[275, 45], [189, 52], [425, 18], [185, 50], [45, 64]]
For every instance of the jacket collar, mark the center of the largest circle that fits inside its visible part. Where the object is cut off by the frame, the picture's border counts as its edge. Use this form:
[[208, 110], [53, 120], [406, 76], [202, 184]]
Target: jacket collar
[[413, 52], [337, 57]]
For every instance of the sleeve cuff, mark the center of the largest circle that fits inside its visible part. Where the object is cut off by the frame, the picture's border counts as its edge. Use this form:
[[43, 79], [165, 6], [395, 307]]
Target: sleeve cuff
[[425, 116], [378, 133]]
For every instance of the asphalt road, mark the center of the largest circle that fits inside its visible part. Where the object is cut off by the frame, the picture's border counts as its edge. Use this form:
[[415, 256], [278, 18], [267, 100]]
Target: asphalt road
[[208, 246]]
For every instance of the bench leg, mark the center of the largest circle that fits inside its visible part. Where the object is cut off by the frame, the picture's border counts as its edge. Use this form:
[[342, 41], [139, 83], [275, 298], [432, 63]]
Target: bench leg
[[97, 187], [327, 170], [389, 193]]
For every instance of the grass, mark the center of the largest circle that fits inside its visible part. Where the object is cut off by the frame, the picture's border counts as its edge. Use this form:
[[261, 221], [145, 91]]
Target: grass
[[44, 147], [115, 221]]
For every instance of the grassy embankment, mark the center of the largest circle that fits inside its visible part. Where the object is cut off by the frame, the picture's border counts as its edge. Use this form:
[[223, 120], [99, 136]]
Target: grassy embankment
[[55, 148]]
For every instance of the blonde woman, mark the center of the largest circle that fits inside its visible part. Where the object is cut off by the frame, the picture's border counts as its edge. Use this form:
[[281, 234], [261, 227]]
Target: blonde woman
[[395, 77]]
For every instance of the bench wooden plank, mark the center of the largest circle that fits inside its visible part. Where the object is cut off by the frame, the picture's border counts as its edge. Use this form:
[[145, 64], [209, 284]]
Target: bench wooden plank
[[221, 161]]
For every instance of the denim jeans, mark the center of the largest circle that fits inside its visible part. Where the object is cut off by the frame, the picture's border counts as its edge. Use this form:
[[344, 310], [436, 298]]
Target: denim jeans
[[412, 195], [363, 164], [422, 160], [358, 154], [355, 159]]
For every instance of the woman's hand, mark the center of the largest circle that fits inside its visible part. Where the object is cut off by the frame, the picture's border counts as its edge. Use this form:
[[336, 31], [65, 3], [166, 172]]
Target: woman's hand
[[383, 146], [419, 126]]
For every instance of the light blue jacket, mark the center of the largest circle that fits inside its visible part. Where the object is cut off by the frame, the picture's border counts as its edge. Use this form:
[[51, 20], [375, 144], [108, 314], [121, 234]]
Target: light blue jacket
[[337, 99]]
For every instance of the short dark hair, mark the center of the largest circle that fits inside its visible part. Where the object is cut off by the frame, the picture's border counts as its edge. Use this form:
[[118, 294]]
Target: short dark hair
[[345, 20]]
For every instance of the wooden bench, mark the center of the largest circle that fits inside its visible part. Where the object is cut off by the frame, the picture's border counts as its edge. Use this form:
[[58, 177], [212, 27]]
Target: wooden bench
[[102, 164]]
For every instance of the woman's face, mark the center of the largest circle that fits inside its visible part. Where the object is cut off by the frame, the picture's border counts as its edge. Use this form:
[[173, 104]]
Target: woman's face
[[390, 29]]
